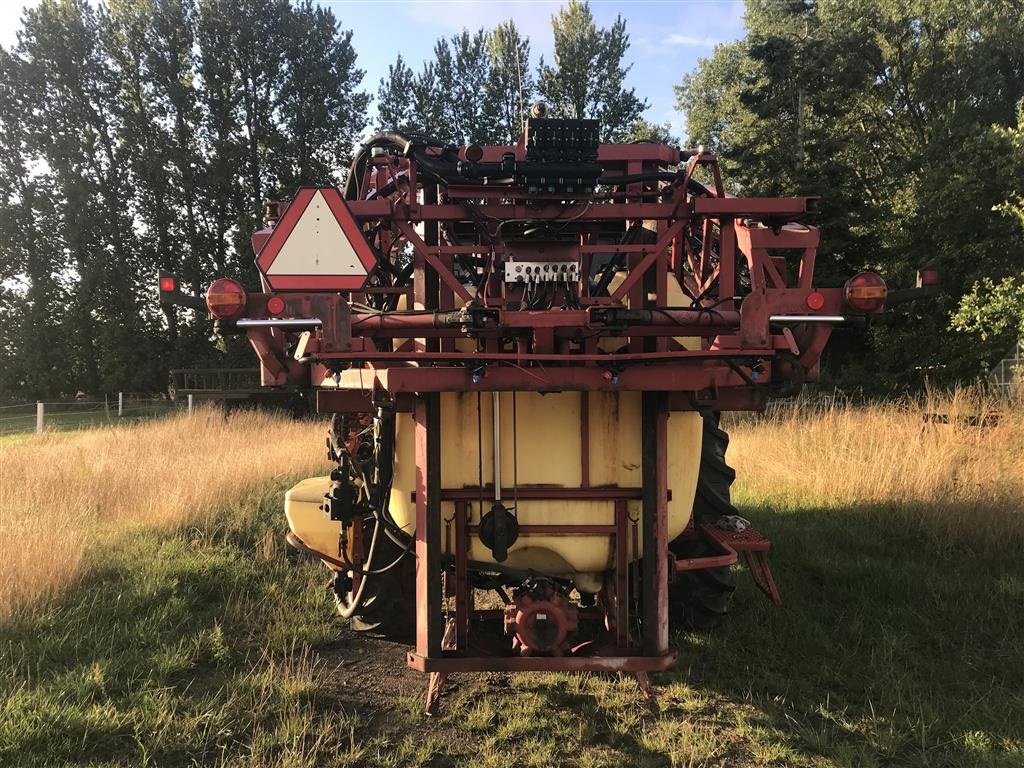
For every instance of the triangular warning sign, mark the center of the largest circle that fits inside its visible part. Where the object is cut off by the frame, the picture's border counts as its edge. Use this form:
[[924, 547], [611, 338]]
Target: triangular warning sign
[[317, 245]]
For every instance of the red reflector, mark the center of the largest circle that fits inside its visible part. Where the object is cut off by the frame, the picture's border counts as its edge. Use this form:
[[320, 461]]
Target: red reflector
[[815, 301], [928, 276], [865, 292], [168, 284], [275, 305], [226, 299]]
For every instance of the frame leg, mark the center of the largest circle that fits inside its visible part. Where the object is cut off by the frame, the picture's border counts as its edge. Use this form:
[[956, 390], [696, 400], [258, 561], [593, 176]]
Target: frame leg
[[654, 424], [643, 682], [434, 692], [429, 625]]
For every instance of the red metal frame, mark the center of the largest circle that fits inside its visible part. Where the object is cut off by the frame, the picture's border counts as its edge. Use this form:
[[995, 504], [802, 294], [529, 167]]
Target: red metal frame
[[405, 351]]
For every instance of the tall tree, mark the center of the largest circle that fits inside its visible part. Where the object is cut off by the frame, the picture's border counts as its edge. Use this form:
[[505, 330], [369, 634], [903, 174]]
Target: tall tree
[[33, 331], [322, 110], [510, 86], [73, 88], [452, 98], [396, 108], [459, 88], [588, 76]]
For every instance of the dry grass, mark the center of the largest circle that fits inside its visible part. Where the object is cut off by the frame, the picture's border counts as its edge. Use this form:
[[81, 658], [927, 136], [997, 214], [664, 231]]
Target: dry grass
[[60, 493], [963, 482]]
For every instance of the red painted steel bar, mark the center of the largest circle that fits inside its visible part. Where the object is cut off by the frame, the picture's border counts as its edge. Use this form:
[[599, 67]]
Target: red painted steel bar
[[429, 627], [621, 582], [449, 664]]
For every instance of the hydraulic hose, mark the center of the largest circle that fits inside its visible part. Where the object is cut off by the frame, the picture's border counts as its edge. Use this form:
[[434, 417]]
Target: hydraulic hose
[[403, 142]]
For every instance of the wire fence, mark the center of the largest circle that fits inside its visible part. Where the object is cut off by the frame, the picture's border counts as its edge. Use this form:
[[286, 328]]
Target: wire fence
[[1008, 375], [60, 415]]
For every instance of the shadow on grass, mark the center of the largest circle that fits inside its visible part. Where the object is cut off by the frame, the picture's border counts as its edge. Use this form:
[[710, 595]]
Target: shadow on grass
[[174, 648], [887, 650]]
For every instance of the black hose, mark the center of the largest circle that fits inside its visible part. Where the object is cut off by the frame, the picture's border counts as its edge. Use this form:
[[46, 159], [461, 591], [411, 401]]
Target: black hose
[[400, 141], [615, 263]]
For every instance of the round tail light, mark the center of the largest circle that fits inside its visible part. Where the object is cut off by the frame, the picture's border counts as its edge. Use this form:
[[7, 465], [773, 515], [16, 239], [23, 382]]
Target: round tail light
[[275, 305], [865, 292], [226, 299]]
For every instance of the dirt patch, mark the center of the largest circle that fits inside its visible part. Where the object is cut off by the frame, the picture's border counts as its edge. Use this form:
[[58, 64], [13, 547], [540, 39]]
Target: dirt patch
[[368, 676]]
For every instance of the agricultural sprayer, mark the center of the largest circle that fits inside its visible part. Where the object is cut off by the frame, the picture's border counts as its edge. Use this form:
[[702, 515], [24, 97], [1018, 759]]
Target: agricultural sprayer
[[526, 350]]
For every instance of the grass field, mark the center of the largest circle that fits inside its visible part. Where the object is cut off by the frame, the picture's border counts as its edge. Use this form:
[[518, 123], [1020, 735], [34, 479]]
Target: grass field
[[195, 639]]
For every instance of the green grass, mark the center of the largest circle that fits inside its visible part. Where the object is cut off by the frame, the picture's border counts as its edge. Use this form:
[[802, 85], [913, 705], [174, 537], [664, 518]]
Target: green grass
[[212, 646]]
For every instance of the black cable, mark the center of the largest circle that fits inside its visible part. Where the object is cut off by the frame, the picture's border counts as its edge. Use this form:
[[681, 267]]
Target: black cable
[[615, 262], [376, 571]]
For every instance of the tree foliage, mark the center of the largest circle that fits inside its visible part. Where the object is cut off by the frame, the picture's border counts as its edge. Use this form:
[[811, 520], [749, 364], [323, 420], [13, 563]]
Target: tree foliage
[[896, 115], [478, 86], [510, 83], [138, 135], [588, 76], [995, 310], [475, 88]]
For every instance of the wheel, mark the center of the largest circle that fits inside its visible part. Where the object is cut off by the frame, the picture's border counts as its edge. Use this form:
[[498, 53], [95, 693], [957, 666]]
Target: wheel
[[388, 607], [700, 599]]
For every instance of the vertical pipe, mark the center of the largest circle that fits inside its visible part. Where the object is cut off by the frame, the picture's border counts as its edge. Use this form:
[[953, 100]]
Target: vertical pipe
[[496, 410], [431, 280], [40, 411], [654, 424], [462, 589], [584, 439], [621, 576], [427, 414]]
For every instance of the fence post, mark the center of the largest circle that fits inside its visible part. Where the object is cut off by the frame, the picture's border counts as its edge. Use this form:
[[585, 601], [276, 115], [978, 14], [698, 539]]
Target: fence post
[[40, 410], [120, 404], [190, 403]]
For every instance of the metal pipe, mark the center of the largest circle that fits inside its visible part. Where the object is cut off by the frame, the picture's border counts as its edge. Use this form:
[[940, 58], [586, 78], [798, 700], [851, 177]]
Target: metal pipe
[[711, 319], [807, 319], [415, 320], [281, 322], [496, 408]]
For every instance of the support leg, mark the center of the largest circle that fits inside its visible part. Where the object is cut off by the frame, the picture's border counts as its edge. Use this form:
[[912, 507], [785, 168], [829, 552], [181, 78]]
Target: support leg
[[654, 424], [429, 625], [647, 691], [434, 692]]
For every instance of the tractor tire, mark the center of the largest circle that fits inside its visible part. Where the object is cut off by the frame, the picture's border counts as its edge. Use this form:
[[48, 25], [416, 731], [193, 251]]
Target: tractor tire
[[388, 609], [700, 599]]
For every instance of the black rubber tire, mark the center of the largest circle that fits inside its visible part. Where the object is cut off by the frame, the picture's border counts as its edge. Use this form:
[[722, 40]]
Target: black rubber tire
[[388, 609], [700, 599]]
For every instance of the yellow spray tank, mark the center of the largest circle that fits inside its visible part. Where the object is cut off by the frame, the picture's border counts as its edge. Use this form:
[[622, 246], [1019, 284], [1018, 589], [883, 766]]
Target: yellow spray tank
[[541, 444]]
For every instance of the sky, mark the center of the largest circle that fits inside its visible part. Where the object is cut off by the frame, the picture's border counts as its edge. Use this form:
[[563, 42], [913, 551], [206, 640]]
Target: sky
[[667, 37]]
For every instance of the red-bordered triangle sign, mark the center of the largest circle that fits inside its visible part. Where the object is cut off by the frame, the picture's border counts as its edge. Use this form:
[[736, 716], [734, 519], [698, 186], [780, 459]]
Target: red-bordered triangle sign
[[317, 245]]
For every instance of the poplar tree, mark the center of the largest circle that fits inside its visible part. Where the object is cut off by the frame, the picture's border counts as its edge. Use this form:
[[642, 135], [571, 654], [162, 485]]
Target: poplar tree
[[588, 76]]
